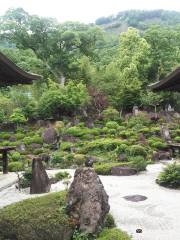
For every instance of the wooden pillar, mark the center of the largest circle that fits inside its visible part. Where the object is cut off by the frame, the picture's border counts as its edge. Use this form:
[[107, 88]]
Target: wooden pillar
[[5, 162]]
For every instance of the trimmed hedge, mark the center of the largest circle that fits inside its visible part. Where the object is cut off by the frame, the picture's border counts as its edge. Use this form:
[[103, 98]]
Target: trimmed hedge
[[41, 218], [105, 168]]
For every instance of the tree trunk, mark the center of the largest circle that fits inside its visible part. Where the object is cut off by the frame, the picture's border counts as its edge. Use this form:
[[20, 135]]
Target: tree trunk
[[58, 75]]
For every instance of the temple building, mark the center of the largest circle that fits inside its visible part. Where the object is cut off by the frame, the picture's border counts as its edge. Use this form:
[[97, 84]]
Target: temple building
[[11, 74], [169, 83]]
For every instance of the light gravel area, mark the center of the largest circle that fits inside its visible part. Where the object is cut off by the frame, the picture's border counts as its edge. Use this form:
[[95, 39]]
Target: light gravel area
[[158, 216]]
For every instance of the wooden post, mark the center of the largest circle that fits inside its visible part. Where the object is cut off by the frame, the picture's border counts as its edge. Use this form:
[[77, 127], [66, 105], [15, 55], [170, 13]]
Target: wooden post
[[5, 162]]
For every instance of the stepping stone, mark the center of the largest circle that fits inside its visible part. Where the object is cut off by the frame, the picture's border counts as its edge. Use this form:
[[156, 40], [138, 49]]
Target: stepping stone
[[135, 198]]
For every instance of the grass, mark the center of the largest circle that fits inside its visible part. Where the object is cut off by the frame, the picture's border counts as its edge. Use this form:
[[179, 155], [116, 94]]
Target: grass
[[113, 234]]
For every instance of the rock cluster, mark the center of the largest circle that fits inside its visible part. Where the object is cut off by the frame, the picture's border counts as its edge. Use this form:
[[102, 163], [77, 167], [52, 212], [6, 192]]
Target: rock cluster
[[87, 201]]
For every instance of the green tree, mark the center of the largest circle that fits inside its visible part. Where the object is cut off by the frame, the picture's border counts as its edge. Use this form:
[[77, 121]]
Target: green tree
[[18, 117], [151, 99], [124, 77], [57, 45], [164, 51], [57, 100]]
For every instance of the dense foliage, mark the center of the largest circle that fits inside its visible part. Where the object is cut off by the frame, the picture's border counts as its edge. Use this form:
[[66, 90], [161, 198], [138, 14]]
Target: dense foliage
[[170, 176], [102, 69], [38, 218]]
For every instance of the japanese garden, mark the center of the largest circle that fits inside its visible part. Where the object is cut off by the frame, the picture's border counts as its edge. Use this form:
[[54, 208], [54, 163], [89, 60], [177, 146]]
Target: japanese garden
[[90, 127]]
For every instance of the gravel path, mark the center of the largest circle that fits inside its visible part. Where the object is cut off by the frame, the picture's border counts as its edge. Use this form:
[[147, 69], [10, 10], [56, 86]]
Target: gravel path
[[158, 216]]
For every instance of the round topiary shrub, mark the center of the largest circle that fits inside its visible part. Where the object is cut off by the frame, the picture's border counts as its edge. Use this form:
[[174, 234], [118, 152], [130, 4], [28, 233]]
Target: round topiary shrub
[[170, 176], [110, 114], [112, 125], [41, 218], [137, 150], [138, 162]]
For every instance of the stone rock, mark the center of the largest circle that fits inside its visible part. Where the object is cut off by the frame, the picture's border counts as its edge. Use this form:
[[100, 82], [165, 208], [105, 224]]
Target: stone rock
[[21, 147], [43, 123], [142, 139], [161, 155], [87, 201], [40, 182], [89, 162], [50, 136], [35, 146], [165, 134], [123, 171], [122, 157], [176, 115], [12, 139]]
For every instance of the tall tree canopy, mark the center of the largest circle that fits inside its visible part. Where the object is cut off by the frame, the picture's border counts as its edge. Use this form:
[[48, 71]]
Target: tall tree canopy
[[59, 46]]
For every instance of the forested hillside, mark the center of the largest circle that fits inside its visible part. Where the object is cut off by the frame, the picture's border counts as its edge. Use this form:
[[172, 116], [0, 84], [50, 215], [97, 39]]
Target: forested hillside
[[85, 69], [139, 19]]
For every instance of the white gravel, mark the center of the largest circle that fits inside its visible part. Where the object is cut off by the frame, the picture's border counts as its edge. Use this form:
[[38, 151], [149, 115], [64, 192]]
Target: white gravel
[[158, 216]]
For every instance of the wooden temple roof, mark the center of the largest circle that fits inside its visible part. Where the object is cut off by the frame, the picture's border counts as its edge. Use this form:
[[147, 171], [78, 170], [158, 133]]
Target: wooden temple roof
[[169, 83], [11, 74]]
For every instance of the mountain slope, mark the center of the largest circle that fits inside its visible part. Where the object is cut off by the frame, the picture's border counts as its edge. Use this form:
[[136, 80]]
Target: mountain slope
[[140, 19]]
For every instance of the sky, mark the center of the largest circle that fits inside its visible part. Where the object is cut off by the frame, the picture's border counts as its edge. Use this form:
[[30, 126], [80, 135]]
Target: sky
[[85, 10]]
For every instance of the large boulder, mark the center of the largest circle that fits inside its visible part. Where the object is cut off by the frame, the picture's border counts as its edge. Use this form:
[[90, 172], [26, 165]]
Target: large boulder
[[87, 201], [40, 182], [123, 171], [50, 136]]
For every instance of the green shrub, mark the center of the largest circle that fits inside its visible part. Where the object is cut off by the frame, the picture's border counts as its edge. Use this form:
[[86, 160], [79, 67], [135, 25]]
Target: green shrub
[[19, 136], [77, 131], [79, 159], [57, 99], [170, 176], [25, 180], [15, 166], [66, 146], [5, 135], [15, 156], [105, 168], [112, 125], [157, 143], [177, 139], [61, 175], [33, 139], [126, 133], [110, 114], [113, 234], [61, 159], [137, 150], [57, 157], [138, 162], [142, 120], [103, 144], [122, 148], [41, 218], [38, 151], [18, 117], [109, 221]]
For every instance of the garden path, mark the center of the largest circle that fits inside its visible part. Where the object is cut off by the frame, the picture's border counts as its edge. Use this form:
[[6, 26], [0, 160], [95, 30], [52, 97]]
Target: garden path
[[158, 216]]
